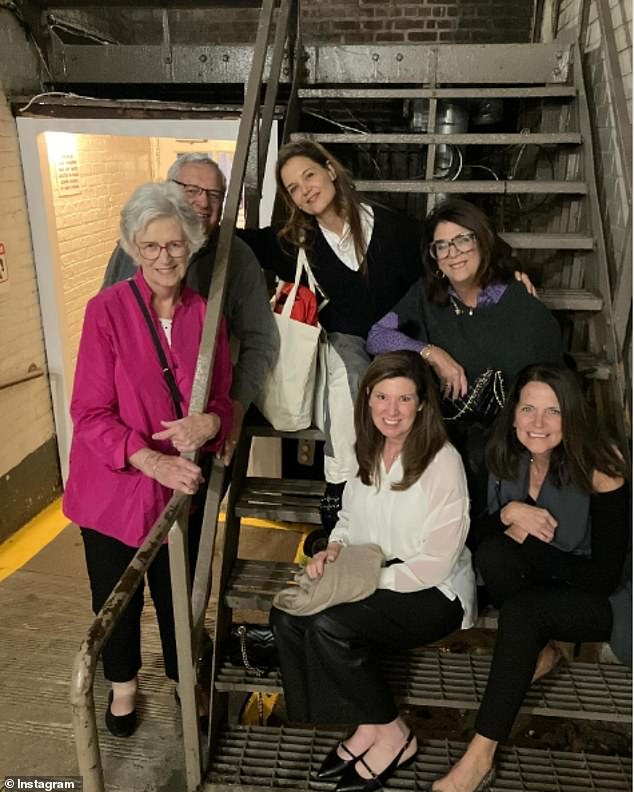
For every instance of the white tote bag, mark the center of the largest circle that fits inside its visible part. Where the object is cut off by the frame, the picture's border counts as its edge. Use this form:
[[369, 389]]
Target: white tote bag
[[286, 397]]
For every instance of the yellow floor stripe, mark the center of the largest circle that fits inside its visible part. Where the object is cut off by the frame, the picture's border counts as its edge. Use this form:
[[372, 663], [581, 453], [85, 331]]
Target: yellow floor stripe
[[20, 548]]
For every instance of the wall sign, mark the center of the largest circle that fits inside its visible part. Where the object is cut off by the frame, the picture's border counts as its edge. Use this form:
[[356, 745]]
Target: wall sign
[[4, 269], [67, 174]]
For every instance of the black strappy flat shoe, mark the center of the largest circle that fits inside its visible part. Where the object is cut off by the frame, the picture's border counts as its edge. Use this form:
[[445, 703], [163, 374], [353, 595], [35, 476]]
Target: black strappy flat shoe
[[351, 781], [333, 765]]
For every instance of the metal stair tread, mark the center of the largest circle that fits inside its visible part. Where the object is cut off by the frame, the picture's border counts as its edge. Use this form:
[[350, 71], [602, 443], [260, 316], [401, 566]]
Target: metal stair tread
[[287, 500], [538, 240], [256, 425], [546, 91], [464, 138], [253, 583], [570, 300], [426, 677], [501, 186], [249, 758], [591, 366]]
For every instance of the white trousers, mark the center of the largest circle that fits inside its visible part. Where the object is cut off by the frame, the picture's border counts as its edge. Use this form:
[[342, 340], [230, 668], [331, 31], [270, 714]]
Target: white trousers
[[346, 362]]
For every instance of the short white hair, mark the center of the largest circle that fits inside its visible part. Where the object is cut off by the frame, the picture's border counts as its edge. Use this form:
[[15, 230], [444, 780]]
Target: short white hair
[[196, 158], [153, 201]]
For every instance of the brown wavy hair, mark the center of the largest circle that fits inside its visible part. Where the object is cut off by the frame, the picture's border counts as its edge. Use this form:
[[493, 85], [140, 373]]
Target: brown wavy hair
[[300, 228], [583, 448], [496, 262], [427, 435]]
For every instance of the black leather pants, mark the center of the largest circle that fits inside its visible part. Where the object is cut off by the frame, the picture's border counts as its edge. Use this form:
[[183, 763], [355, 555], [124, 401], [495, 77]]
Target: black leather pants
[[331, 662]]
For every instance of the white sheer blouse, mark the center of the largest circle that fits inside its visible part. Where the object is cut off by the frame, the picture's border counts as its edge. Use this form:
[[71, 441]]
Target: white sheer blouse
[[425, 526]]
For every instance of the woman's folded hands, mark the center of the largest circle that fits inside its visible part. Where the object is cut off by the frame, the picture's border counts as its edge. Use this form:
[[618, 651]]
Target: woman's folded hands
[[191, 432], [523, 519]]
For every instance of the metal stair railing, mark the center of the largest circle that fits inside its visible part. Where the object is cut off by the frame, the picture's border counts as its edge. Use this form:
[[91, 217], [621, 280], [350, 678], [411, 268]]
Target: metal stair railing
[[172, 523], [622, 286], [602, 338]]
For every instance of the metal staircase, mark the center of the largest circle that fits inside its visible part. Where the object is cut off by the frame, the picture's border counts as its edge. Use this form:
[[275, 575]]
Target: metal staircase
[[561, 246], [521, 109], [389, 112]]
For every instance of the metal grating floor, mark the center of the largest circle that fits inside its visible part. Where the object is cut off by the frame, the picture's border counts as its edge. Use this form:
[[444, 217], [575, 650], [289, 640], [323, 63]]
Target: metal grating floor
[[589, 691], [286, 500], [249, 758]]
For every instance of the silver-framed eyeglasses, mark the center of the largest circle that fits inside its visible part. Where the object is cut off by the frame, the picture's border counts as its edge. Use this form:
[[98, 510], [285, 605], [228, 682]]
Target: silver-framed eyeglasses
[[193, 191], [150, 251], [462, 243]]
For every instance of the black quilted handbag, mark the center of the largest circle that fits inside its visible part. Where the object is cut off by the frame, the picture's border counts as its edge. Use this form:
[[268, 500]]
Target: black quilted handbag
[[483, 400], [252, 646]]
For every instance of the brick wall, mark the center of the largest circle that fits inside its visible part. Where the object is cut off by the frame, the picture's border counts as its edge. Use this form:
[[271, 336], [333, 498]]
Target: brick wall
[[336, 21], [27, 418], [87, 222], [462, 21]]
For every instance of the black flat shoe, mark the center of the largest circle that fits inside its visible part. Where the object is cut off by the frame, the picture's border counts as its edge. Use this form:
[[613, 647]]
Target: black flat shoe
[[333, 765], [120, 725], [351, 781]]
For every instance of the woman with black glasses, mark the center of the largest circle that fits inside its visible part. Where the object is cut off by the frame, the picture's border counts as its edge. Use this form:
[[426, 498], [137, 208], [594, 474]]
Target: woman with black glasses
[[468, 315]]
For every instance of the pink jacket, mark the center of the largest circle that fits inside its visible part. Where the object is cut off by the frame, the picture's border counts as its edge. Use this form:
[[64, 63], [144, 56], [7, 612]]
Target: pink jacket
[[120, 397]]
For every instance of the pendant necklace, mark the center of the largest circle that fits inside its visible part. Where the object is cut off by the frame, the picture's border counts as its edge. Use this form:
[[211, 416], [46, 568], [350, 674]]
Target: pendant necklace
[[459, 308]]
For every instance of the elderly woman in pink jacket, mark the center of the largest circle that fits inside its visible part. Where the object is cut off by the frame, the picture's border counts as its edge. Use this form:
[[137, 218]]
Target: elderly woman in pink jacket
[[128, 424]]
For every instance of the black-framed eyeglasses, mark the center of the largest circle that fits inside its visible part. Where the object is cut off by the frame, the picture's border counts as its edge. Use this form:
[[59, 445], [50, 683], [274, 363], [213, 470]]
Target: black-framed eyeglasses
[[463, 243], [150, 251], [193, 191]]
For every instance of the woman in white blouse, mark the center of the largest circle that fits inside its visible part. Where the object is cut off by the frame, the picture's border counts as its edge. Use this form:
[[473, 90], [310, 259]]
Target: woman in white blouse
[[409, 497]]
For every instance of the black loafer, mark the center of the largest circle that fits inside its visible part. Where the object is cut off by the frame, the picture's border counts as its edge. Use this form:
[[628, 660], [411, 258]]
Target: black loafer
[[120, 725], [333, 765], [351, 781]]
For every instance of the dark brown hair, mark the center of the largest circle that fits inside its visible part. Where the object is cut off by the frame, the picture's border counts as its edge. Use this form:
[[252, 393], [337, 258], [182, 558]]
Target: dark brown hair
[[427, 435], [496, 263], [583, 449], [300, 228]]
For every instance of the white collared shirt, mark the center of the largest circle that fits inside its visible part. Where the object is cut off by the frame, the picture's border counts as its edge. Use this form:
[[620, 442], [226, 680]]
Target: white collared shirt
[[343, 246]]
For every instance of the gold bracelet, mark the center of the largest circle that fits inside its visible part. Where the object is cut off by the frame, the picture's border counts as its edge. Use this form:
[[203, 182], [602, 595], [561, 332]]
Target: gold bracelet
[[426, 352]]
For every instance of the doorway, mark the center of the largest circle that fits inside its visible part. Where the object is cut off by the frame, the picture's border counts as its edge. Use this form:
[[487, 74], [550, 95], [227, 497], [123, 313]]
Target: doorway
[[78, 173]]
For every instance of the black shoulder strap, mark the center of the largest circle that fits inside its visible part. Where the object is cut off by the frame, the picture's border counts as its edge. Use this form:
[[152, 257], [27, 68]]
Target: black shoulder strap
[[167, 372]]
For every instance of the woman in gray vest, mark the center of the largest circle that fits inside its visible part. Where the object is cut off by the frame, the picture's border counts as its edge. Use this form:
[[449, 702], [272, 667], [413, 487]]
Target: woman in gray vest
[[468, 315], [553, 551]]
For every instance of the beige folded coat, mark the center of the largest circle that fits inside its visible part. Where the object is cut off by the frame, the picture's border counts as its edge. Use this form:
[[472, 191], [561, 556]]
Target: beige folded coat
[[353, 576]]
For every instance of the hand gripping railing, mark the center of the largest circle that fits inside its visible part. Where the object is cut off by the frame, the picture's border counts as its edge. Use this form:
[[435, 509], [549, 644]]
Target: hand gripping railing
[[188, 611]]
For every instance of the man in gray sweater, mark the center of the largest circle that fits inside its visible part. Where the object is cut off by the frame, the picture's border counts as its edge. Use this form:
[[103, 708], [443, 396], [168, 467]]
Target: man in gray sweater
[[249, 318]]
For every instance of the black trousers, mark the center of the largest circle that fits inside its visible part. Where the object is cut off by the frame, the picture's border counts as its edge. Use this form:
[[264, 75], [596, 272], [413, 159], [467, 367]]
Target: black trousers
[[533, 610], [106, 560], [330, 662]]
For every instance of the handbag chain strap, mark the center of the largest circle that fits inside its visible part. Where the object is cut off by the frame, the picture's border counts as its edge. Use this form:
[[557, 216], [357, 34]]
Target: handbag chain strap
[[242, 635], [498, 388], [167, 372], [478, 387]]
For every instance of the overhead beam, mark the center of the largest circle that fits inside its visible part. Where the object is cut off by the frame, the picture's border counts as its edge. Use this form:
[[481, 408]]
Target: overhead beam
[[167, 4]]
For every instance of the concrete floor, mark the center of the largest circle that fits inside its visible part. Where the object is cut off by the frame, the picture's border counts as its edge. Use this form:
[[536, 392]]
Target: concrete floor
[[45, 612]]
